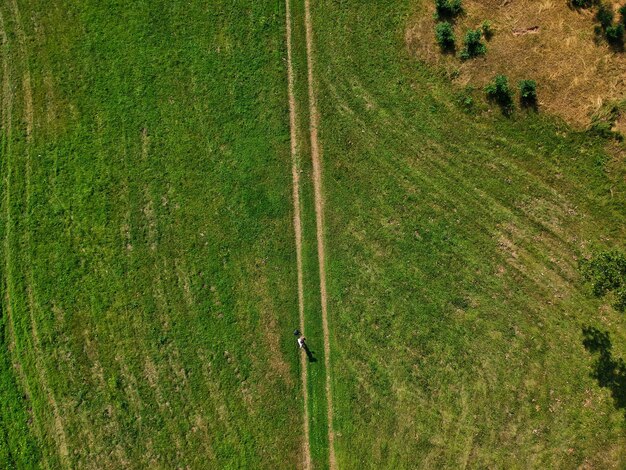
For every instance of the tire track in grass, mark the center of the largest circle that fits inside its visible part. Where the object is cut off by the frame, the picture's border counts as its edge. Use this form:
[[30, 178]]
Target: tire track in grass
[[172, 367], [33, 305], [7, 107], [297, 225], [319, 222]]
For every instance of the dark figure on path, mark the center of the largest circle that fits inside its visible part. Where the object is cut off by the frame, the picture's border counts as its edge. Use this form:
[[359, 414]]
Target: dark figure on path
[[302, 345]]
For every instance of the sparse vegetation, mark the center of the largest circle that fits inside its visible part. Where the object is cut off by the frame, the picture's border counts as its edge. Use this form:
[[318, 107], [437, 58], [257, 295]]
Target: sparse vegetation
[[465, 100], [604, 119], [445, 35], [487, 29], [472, 45]]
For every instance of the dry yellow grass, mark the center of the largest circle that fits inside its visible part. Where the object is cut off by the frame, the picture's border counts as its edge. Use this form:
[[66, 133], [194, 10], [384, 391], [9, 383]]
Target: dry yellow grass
[[542, 40]]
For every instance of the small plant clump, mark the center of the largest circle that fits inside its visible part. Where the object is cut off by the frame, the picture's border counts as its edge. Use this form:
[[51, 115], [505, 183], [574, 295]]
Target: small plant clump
[[528, 92], [447, 9], [606, 271], [473, 46], [604, 16], [500, 92], [465, 100], [582, 3], [487, 29], [615, 34], [444, 35]]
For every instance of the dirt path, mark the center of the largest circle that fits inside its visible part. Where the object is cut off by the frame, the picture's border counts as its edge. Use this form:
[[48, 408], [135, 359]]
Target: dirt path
[[319, 220], [297, 225]]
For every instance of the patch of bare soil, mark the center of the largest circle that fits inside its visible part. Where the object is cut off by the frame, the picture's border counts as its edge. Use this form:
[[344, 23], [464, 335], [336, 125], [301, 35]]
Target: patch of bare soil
[[547, 41]]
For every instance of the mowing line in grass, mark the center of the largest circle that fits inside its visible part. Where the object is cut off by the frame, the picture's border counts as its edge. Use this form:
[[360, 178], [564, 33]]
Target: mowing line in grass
[[297, 225], [319, 212], [11, 343], [33, 305]]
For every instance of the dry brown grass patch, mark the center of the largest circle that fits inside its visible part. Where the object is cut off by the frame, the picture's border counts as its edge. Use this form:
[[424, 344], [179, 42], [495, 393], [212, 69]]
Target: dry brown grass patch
[[545, 41]]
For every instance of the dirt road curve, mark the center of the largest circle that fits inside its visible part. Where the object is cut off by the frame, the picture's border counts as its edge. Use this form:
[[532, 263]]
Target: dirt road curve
[[297, 225]]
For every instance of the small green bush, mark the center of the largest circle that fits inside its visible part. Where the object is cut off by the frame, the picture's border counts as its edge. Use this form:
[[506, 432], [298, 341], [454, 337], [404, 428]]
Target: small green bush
[[604, 16], [473, 46], [615, 34], [582, 3], [487, 29], [606, 271], [500, 92], [447, 9], [465, 100], [444, 35], [528, 92]]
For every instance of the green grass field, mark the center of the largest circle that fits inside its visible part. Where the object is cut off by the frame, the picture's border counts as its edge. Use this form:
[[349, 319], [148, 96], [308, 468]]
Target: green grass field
[[148, 257], [453, 238]]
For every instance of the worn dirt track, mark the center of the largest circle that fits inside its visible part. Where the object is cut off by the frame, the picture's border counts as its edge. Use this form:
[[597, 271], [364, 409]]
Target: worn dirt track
[[319, 219], [297, 225]]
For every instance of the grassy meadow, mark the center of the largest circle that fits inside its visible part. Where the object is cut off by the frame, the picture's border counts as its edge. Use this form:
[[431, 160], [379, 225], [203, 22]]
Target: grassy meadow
[[456, 304], [148, 261], [149, 268]]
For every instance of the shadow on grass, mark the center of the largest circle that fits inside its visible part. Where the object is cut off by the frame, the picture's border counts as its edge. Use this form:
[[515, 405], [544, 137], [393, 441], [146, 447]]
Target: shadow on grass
[[448, 49], [309, 353], [529, 105], [504, 103], [609, 371]]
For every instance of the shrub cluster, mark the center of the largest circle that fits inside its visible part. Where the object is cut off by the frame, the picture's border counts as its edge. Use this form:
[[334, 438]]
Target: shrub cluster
[[500, 92], [613, 33]]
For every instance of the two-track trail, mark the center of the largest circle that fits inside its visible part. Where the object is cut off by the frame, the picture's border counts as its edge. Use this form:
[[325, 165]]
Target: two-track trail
[[319, 222], [297, 225], [319, 218]]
